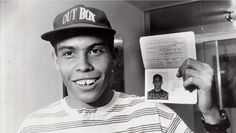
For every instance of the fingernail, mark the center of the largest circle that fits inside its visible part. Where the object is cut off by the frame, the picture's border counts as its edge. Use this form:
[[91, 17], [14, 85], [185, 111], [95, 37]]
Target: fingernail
[[178, 74]]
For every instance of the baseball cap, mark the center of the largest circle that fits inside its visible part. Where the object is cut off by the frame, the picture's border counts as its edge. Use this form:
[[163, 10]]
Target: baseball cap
[[79, 19]]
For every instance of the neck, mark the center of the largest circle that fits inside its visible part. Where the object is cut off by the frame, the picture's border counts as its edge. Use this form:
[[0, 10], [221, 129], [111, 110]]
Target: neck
[[103, 100], [157, 89]]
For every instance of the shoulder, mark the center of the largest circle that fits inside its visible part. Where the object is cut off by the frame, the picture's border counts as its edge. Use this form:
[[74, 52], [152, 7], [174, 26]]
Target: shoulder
[[139, 102], [49, 109], [129, 100], [163, 91], [44, 115], [151, 91]]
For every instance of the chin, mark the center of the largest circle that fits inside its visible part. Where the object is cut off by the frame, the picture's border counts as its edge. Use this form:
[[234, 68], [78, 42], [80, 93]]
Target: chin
[[90, 97]]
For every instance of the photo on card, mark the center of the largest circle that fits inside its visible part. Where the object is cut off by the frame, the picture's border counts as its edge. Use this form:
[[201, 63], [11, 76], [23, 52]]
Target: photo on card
[[162, 85], [162, 56]]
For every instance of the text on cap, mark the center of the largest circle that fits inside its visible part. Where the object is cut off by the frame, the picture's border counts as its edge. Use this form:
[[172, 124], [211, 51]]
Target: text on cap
[[84, 14]]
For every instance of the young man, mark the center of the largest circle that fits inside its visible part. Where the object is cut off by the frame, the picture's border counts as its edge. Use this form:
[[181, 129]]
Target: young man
[[83, 43], [157, 92]]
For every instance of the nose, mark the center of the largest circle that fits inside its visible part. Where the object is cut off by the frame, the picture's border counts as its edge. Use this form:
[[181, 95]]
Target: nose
[[83, 64]]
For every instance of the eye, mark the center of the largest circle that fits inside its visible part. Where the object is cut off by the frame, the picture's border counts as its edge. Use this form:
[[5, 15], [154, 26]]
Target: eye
[[67, 54], [96, 51]]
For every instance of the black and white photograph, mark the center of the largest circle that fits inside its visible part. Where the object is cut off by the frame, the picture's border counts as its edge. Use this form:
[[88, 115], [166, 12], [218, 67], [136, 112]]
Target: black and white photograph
[[157, 91], [117, 66], [162, 86]]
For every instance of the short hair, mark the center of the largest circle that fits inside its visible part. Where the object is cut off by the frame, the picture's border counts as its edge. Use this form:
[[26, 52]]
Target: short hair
[[157, 76]]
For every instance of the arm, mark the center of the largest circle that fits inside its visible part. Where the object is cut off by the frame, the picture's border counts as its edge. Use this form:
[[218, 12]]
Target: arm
[[198, 75]]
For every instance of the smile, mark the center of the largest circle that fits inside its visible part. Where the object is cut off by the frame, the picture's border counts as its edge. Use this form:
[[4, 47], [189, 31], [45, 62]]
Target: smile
[[86, 82]]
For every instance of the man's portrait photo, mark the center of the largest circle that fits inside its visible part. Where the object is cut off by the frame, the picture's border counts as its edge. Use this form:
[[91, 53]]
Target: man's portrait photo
[[157, 92]]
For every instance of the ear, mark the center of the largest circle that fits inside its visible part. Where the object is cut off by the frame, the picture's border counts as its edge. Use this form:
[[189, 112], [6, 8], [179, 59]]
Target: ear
[[114, 53], [54, 56]]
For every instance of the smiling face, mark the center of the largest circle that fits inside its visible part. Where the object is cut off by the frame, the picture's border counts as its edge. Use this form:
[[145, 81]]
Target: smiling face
[[85, 66]]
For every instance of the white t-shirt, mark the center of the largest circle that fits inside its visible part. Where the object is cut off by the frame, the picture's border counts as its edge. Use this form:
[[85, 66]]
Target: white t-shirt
[[123, 114]]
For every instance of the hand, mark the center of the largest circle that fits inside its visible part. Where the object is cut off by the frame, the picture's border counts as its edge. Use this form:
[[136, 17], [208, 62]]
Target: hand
[[198, 75]]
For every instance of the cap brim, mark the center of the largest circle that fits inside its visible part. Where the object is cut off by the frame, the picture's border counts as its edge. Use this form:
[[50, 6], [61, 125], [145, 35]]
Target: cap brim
[[54, 34]]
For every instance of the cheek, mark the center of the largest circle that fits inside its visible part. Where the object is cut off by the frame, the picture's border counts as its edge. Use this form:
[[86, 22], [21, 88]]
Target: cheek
[[104, 66], [65, 68]]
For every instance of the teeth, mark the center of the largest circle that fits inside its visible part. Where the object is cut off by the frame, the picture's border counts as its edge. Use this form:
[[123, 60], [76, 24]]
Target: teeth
[[85, 82]]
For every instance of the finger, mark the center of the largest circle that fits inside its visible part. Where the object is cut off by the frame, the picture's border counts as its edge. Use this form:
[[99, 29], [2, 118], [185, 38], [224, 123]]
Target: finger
[[189, 63], [197, 79], [181, 69], [191, 84], [190, 73]]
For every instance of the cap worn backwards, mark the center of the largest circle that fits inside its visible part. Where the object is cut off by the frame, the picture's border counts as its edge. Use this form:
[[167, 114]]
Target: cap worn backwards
[[79, 18]]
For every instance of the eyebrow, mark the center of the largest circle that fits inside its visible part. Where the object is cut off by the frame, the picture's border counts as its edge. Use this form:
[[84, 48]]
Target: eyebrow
[[65, 47], [97, 44], [89, 47]]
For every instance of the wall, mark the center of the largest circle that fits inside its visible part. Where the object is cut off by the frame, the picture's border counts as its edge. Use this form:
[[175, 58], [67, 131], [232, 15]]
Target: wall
[[30, 78], [1, 72], [31, 81]]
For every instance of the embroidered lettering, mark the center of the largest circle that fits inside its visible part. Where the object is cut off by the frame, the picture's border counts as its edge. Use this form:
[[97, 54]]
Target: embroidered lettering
[[86, 14], [69, 16]]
